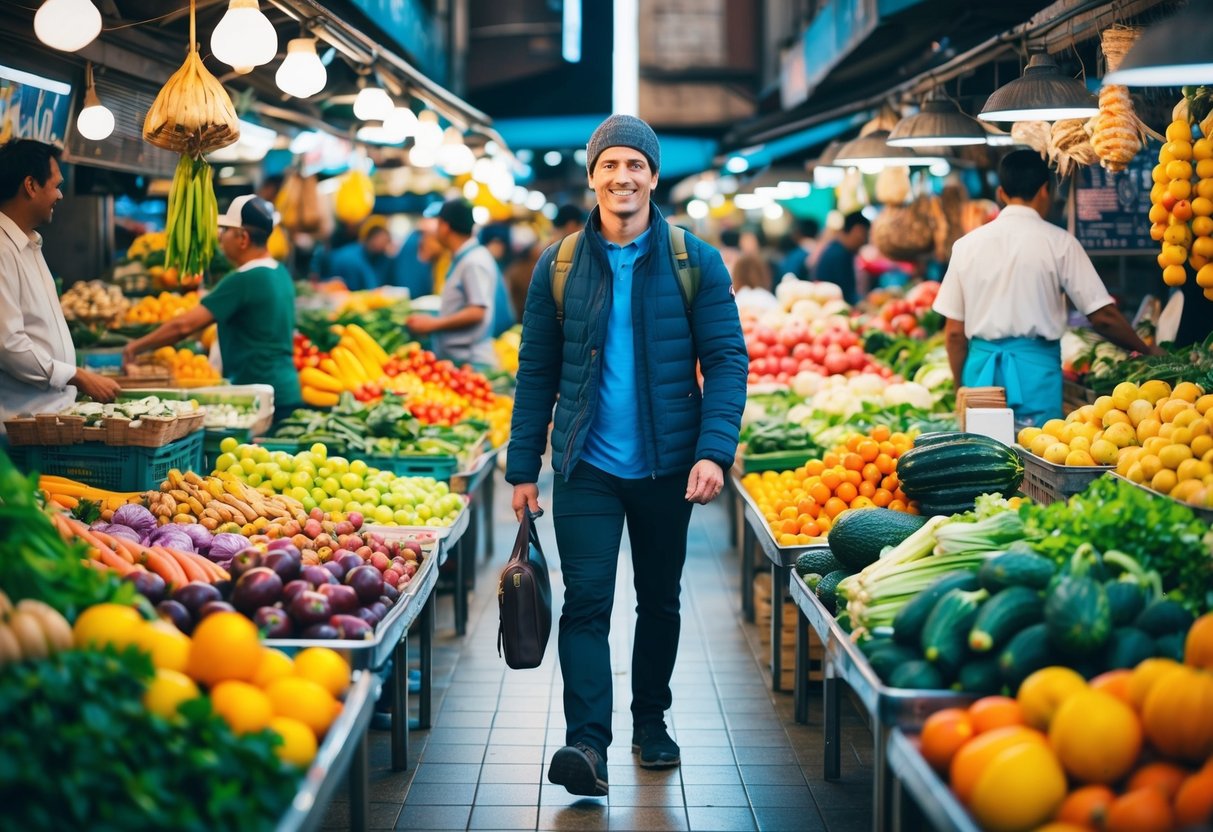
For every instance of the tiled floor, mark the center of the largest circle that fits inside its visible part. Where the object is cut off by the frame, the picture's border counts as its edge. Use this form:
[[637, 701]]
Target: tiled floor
[[746, 765]]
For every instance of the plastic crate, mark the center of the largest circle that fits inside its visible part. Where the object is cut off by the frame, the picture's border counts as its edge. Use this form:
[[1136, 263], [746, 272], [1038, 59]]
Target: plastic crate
[[115, 468], [439, 466], [1047, 483]]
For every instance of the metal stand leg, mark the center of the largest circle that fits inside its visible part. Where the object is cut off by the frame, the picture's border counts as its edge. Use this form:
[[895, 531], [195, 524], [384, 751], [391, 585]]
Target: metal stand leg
[[830, 722], [880, 779], [900, 805], [779, 586], [489, 489], [461, 594], [359, 807], [400, 705], [800, 682], [425, 695], [747, 574]]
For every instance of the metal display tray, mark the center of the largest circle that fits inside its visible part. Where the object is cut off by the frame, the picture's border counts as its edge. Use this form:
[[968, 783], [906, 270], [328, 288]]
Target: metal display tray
[[766, 536], [373, 653], [1205, 514], [334, 757], [913, 775]]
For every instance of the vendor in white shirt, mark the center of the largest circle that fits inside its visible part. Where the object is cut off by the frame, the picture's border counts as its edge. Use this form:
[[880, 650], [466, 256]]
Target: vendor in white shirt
[[38, 372], [1004, 296]]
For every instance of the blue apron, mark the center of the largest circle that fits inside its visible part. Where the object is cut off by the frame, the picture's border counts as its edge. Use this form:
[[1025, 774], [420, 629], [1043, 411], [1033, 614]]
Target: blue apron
[[1029, 369]]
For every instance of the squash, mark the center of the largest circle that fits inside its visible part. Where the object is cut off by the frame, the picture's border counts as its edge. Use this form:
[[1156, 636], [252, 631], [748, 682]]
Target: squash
[[1077, 613], [1046, 690], [1198, 646], [1178, 714], [1194, 800], [1096, 736], [970, 760]]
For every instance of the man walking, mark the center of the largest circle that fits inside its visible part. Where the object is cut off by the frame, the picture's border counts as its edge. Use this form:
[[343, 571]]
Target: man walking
[[38, 372], [611, 335]]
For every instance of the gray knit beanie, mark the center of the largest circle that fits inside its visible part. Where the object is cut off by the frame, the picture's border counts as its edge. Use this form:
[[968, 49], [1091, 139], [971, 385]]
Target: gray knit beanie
[[623, 131]]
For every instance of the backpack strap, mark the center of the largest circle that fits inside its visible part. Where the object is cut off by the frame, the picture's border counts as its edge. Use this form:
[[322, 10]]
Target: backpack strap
[[561, 266], [687, 274]]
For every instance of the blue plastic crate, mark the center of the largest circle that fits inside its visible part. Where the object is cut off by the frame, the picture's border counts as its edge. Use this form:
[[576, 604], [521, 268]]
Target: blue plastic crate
[[113, 467], [439, 466]]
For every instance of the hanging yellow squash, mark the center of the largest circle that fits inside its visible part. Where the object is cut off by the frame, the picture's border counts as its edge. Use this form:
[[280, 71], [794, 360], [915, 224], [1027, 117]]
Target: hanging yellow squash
[[355, 197]]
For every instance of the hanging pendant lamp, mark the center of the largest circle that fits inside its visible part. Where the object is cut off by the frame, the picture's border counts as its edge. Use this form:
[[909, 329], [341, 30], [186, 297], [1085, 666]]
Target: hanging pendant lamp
[[939, 123], [95, 121], [1173, 53], [873, 151], [1041, 94]]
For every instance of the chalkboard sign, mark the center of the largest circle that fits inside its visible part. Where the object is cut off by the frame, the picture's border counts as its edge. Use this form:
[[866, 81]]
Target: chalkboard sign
[[1110, 211]]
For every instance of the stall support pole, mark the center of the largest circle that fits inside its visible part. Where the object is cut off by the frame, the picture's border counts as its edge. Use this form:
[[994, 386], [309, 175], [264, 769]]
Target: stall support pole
[[779, 588], [880, 780], [489, 495], [400, 705], [461, 595], [359, 808], [800, 681], [829, 718], [425, 695], [747, 573]]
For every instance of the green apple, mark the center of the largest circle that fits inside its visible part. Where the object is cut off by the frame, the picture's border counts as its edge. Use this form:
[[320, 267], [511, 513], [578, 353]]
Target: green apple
[[424, 512], [300, 493], [351, 481], [226, 460], [318, 494], [344, 495], [308, 503], [253, 479], [358, 467], [383, 514], [402, 517], [331, 486], [248, 465], [301, 479], [331, 504], [319, 450]]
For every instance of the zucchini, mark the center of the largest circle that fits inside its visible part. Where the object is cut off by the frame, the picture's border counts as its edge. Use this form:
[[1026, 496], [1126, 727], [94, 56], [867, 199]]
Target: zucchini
[[981, 676], [936, 437], [1015, 569], [1077, 613], [945, 635], [857, 537], [868, 646], [1171, 646], [1163, 617], [1028, 651], [886, 660], [926, 509], [1127, 648], [966, 459], [1003, 616], [1126, 600], [917, 675], [908, 623]]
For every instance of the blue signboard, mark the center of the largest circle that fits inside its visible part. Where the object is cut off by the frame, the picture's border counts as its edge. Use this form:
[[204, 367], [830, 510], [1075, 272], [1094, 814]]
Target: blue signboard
[[414, 28], [33, 107], [1110, 210]]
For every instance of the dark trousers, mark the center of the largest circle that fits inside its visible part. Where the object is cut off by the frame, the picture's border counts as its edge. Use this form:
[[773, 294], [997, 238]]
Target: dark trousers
[[589, 510]]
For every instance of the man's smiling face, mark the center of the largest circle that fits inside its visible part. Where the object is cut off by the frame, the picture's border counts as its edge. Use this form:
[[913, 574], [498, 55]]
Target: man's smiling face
[[622, 181]]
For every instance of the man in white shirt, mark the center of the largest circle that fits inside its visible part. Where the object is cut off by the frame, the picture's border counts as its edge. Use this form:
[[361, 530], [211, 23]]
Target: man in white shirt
[[1004, 296], [38, 372]]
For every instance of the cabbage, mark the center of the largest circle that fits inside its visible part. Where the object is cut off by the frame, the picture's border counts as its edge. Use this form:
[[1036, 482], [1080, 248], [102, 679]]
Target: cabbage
[[172, 537], [198, 533], [116, 530], [224, 547], [136, 517], [909, 393]]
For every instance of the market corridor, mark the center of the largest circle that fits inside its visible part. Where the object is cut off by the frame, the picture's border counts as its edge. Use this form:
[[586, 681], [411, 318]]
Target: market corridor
[[745, 763]]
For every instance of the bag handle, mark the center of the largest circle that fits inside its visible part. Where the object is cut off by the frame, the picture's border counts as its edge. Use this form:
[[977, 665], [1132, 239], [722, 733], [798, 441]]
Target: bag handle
[[527, 534]]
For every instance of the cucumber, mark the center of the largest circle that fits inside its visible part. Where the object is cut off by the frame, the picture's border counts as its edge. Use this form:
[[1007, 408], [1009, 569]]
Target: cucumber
[[1027, 651], [1163, 617], [857, 537], [868, 646], [886, 660], [917, 675], [1171, 646], [945, 635], [908, 623], [1126, 600], [981, 676], [1003, 616], [1127, 648], [936, 437], [1015, 569]]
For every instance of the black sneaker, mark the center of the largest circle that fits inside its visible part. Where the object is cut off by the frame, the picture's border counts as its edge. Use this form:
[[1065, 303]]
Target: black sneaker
[[655, 747], [580, 769]]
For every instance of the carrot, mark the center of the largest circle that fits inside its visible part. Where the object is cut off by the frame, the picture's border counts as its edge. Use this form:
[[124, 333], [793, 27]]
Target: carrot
[[213, 571], [64, 501], [107, 557], [164, 566], [128, 549], [192, 570]]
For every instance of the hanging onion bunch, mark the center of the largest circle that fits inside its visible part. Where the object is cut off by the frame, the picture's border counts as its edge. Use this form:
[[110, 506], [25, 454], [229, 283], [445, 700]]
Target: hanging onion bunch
[[1070, 146]]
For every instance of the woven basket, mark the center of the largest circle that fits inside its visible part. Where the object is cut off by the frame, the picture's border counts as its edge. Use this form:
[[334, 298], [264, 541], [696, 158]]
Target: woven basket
[[23, 431], [152, 431], [58, 429]]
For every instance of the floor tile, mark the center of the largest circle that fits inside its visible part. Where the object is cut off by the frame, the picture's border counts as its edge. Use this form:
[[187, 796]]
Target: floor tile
[[516, 736], [763, 755], [441, 794], [707, 756], [471, 703], [777, 819], [459, 736], [720, 819], [692, 738], [710, 722], [513, 754], [508, 794], [787, 797], [416, 816], [758, 775], [633, 775], [664, 795], [502, 773], [646, 819], [587, 817], [766, 739], [464, 719], [447, 773], [452, 754], [715, 795], [852, 794], [503, 817], [847, 820], [723, 775]]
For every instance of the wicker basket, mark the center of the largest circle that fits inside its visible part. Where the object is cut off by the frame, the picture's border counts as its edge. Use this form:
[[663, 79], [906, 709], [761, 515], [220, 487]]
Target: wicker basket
[[151, 431], [22, 431], [58, 429]]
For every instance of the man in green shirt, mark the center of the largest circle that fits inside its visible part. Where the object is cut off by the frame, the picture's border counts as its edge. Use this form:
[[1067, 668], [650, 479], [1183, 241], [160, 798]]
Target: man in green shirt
[[254, 306]]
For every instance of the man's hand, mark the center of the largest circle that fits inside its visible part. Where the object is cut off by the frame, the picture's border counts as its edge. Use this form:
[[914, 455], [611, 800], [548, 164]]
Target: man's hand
[[420, 324], [526, 494], [1154, 349], [705, 482], [96, 386], [129, 352]]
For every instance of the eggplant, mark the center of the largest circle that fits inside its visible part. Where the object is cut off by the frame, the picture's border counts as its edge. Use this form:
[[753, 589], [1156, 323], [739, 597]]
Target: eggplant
[[243, 561], [211, 607], [150, 585], [281, 544], [367, 581], [195, 594], [256, 588], [310, 608], [342, 598], [387, 602], [353, 627], [286, 562], [273, 623], [379, 609], [176, 613], [321, 631], [292, 589], [317, 576]]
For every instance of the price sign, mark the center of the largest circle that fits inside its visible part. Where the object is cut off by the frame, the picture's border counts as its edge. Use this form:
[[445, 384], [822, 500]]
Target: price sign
[[1111, 210]]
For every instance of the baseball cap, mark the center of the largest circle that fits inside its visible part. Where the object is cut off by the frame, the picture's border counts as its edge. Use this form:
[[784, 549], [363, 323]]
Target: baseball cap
[[249, 211]]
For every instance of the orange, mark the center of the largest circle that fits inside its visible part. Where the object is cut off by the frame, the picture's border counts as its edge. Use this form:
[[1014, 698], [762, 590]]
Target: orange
[[882, 498], [1115, 682], [821, 492], [304, 700], [885, 464], [852, 443], [1043, 692], [853, 462], [814, 467], [1166, 777], [1194, 800], [225, 646], [1086, 806], [103, 624], [868, 450], [871, 473], [943, 734], [835, 507], [853, 477], [168, 646], [830, 460], [806, 506], [298, 746], [788, 513], [992, 712], [811, 529], [274, 665], [867, 488], [830, 479], [971, 759], [244, 707], [167, 690], [897, 505], [880, 433], [846, 492], [1096, 736], [890, 483], [862, 502], [1144, 810], [790, 526]]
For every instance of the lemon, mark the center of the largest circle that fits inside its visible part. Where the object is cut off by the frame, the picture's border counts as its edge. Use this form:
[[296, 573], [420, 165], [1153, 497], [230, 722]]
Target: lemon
[[228, 444], [1054, 427], [1102, 405], [245, 708], [1121, 435], [1027, 435], [1116, 416], [168, 646], [1041, 443], [1186, 491], [325, 667], [274, 665], [1204, 403], [1187, 391], [1172, 455], [1079, 458], [167, 690], [1189, 469], [1135, 473], [1104, 452], [298, 746], [1057, 453], [1124, 394], [1201, 445], [1150, 465], [1164, 481], [1080, 443], [106, 624], [1173, 408], [304, 700], [1153, 390], [1148, 428]]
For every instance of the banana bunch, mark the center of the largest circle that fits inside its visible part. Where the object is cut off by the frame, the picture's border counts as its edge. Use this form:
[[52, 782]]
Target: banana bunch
[[31, 630], [218, 501], [192, 218]]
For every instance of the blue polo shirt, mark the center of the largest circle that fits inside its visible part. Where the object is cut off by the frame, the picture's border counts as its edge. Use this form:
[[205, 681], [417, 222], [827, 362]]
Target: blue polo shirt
[[614, 441]]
